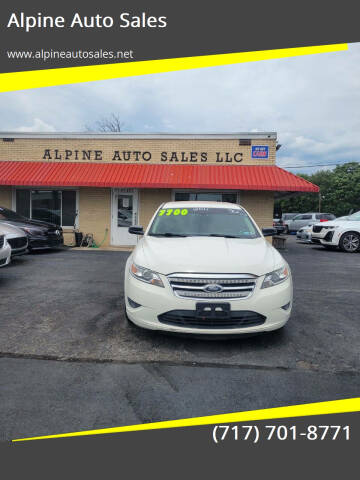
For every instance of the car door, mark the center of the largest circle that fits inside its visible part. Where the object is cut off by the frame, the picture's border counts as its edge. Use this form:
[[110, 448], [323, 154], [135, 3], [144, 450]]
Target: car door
[[304, 220], [292, 223]]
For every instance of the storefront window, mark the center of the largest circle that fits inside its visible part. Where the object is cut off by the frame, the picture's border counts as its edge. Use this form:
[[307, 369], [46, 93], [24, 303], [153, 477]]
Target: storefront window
[[206, 196], [46, 206], [53, 206], [23, 202]]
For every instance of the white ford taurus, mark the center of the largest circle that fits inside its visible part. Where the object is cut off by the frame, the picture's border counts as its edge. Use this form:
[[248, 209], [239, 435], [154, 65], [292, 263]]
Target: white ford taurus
[[206, 268]]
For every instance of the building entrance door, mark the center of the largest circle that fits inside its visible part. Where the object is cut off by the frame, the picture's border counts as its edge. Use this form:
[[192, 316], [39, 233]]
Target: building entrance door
[[124, 215]]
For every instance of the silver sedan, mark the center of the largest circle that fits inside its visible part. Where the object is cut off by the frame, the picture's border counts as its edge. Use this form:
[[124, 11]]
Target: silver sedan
[[304, 234]]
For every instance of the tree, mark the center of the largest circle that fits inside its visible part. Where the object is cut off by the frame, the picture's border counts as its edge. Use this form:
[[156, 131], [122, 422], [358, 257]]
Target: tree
[[112, 123], [339, 189]]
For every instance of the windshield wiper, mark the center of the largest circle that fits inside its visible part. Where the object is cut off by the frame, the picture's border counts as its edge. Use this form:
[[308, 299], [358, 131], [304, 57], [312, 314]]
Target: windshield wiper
[[223, 236], [167, 234]]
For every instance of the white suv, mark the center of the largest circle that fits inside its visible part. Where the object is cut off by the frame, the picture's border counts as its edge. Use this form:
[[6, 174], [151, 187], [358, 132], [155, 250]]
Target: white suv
[[344, 234], [205, 267]]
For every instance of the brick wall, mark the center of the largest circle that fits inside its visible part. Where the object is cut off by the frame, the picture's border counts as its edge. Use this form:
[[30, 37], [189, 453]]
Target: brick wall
[[95, 213], [260, 205], [149, 201]]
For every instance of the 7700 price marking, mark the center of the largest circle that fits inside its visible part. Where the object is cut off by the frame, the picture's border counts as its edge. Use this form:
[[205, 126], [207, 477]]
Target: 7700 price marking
[[253, 433]]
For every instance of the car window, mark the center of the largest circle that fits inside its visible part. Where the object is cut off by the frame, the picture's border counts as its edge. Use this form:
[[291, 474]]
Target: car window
[[289, 216], [298, 217], [325, 216], [305, 217], [203, 221]]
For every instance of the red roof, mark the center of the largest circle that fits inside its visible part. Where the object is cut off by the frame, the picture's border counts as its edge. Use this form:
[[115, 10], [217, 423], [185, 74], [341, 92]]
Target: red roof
[[229, 177]]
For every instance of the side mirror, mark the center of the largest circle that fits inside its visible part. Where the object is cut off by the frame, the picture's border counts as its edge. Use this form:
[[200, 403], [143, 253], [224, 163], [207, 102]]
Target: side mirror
[[269, 232], [136, 230]]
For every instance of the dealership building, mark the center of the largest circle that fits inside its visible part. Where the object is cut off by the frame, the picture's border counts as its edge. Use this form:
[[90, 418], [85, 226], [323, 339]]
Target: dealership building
[[102, 183]]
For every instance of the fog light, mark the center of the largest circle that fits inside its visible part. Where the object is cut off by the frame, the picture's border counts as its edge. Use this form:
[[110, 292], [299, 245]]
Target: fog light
[[287, 306], [133, 304]]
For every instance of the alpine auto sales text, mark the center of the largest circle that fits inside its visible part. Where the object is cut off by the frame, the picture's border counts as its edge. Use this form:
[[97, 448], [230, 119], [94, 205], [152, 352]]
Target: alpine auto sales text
[[146, 156], [125, 20]]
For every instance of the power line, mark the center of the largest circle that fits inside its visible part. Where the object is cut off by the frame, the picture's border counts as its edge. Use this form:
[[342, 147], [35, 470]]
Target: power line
[[317, 165]]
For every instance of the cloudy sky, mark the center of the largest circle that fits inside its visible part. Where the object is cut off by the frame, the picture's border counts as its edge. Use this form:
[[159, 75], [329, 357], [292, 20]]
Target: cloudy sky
[[313, 102]]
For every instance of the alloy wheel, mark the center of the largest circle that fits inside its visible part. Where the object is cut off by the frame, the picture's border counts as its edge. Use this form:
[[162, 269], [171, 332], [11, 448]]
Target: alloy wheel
[[351, 242]]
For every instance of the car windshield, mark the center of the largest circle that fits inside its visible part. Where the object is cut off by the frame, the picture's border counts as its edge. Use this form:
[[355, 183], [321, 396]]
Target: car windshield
[[203, 221], [355, 217], [6, 214]]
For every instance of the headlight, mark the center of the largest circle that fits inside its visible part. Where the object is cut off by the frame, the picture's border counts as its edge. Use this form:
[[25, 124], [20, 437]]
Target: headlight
[[146, 275], [275, 277], [33, 231]]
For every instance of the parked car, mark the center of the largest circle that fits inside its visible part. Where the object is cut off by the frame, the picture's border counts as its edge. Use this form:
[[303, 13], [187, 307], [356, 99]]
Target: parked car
[[206, 268], [286, 217], [5, 251], [278, 225], [309, 218], [304, 234], [40, 234], [15, 237], [344, 234]]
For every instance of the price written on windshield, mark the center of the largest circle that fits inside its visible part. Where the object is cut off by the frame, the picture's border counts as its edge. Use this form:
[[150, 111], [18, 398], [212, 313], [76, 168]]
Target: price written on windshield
[[170, 211]]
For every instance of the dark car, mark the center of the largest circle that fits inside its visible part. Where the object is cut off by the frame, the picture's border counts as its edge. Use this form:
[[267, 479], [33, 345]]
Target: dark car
[[40, 234], [278, 224]]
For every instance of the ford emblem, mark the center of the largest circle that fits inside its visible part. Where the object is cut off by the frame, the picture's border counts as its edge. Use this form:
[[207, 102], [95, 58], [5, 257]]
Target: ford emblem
[[213, 287]]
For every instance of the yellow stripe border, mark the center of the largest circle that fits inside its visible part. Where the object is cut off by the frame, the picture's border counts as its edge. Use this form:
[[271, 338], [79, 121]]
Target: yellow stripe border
[[62, 76], [308, 409]]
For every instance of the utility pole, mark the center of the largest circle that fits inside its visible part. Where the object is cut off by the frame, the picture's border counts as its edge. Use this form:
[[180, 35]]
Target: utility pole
[[319, 202]]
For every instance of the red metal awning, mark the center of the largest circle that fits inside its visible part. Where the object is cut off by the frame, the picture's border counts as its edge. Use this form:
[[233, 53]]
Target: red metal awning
[[226, 177]]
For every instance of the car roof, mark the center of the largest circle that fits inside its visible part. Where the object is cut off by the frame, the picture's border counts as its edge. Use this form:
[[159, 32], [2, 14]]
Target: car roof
[[189, 204]]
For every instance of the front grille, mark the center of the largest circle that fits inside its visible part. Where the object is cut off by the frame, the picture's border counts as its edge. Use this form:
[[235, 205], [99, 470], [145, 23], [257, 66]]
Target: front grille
[[2, 241], [317, 228], [48, 242], [227, 286], [19, 242], [189, 319]]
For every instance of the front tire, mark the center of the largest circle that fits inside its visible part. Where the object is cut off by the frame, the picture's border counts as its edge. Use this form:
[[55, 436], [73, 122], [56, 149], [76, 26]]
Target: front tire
[[350, 242]]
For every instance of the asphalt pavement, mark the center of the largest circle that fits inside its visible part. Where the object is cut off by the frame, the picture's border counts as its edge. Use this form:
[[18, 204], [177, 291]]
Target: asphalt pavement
[[70, 361]]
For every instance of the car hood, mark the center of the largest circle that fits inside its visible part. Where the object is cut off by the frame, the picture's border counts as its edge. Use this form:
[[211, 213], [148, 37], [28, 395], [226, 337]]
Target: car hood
[[207, 255], [30, 223], [340, 223], [8, 229]]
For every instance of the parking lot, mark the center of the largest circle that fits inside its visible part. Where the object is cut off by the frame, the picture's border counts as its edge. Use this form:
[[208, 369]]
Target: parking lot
[[70, 360]]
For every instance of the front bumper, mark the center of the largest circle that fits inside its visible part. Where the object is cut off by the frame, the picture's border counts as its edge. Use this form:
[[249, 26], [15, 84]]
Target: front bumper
[[5, 256], [326, 237], [41, 242], [304, 236], [157, 301]]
